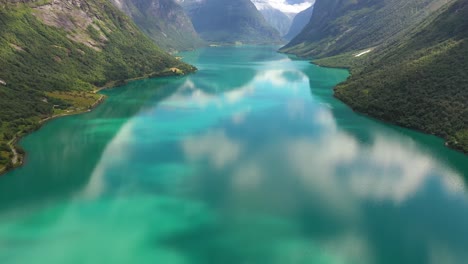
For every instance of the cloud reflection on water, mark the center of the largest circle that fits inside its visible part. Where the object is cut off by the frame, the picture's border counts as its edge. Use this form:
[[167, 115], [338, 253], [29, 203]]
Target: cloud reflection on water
[[334, 166]]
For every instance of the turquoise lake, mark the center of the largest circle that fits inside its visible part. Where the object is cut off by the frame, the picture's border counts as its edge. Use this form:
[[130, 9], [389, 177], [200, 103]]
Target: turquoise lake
[[248, 161]]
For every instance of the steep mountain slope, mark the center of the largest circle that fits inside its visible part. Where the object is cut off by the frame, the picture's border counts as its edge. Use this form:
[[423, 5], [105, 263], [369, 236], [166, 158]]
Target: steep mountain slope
[[277, 19], [339, 26], [54, 53], [164, 21], [419, 81], [227, 21], [299, 22]]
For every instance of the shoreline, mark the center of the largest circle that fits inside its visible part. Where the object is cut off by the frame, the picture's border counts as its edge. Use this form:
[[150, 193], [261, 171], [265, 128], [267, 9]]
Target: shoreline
[[20, 158], [312, 61], [90, 108], [446, 142]]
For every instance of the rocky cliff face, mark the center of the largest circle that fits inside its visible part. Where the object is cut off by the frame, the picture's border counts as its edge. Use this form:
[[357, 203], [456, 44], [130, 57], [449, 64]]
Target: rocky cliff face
[[86, 22], [164, 21], [76, 17]]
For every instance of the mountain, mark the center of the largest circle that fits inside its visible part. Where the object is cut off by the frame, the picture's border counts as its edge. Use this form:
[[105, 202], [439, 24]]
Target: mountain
[[416, 78], [227, 21], [277, 19], [339, 26], [164, 21], [299, 22], [420, 81], [53, 55]]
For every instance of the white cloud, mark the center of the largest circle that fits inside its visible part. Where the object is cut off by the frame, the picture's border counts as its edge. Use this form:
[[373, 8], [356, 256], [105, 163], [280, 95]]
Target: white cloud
[[215, 145], [283, 5]]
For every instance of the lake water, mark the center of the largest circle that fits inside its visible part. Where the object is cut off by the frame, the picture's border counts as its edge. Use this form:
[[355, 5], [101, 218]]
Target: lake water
[[249, 161]]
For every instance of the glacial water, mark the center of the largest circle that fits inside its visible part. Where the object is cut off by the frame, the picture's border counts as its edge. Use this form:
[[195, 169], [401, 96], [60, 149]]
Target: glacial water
[[249, 161]]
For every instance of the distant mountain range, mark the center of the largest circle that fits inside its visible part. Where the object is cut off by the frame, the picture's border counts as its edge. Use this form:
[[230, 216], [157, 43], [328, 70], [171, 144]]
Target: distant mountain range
[[227, 21], [277, 19], [298, 23], [407, 58], [280, 15]]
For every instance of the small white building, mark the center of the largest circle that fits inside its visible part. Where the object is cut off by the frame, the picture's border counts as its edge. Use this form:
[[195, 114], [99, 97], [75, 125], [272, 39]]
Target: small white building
[[2, 82]]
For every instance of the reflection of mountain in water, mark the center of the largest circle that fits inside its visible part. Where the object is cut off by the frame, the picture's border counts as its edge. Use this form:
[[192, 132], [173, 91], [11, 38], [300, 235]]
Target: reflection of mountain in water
[[230, 67]]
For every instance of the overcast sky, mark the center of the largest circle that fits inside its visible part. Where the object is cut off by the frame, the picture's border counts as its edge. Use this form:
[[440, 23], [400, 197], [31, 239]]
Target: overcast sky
[[287, 6]]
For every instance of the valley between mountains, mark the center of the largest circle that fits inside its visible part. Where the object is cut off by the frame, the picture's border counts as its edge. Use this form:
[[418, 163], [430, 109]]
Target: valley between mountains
[[406, 57], [234, 131]]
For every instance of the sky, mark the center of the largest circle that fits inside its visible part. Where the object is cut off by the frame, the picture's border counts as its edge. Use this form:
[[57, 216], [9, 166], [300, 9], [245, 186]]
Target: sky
[[287, 6]]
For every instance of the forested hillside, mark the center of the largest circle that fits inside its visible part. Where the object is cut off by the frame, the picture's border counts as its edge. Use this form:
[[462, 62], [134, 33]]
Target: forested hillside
[[164, 21], [53, 54], [421, 81], [339, 26]]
